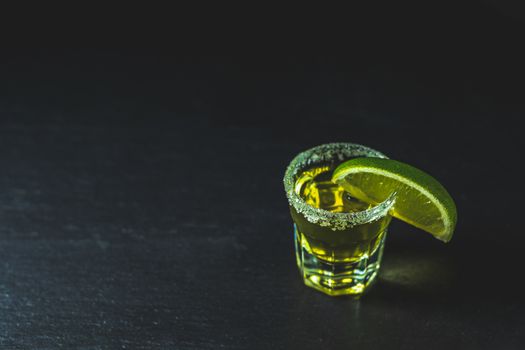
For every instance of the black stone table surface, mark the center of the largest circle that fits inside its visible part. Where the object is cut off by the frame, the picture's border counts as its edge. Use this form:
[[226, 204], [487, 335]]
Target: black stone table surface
[[142, 205]]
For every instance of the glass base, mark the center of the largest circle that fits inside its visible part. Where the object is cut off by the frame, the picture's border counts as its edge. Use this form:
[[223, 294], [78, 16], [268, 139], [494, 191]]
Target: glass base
[[337, 278]]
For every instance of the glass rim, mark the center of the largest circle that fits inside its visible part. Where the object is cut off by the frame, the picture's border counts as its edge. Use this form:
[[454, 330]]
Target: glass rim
[[332, 151]]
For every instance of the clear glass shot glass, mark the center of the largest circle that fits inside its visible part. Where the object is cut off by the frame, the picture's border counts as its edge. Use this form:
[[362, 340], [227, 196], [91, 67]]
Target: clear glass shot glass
[[339, 240]]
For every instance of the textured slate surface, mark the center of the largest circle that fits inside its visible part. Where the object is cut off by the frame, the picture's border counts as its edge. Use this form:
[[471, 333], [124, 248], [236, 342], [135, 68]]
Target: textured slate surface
[[141, 202]]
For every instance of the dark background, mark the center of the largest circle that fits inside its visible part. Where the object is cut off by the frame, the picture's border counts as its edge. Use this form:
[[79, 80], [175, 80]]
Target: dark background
[[141, 197]]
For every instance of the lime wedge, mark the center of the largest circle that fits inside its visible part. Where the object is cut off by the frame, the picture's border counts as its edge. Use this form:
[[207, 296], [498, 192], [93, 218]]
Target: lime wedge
[[421, 200]]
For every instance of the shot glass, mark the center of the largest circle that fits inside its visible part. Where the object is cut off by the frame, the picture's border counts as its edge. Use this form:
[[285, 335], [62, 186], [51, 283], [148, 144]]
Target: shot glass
[[339, 240]]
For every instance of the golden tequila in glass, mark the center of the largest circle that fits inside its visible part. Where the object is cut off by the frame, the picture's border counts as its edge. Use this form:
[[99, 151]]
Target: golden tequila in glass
[[339, 240]]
